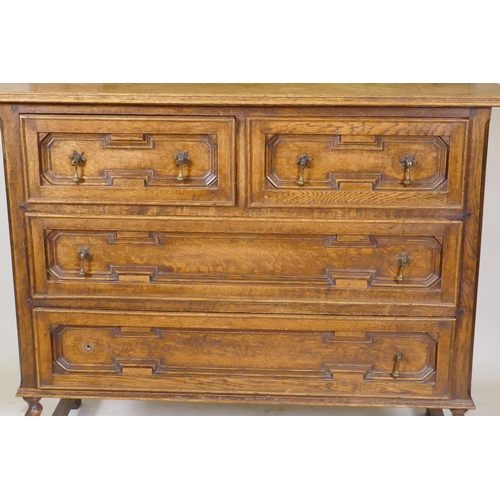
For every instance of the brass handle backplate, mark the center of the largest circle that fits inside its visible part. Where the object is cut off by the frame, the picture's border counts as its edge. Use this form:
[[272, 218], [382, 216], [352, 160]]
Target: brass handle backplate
[[303, 162], [398, 358], [408, 161], [181, 160], [77, 160], [403, 261], [84, 254]]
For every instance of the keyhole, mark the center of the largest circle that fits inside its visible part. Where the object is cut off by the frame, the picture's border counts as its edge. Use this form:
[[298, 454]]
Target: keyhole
[[87, 347]]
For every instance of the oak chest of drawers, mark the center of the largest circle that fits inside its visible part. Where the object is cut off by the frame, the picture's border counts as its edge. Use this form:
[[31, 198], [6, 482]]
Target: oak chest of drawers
[[303, 244]]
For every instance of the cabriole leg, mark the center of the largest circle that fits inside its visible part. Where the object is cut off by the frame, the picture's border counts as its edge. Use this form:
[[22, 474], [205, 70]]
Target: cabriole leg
[[34, 407]]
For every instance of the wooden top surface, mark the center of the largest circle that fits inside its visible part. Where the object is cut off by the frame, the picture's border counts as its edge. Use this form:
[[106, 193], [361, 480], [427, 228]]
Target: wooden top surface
[[403, 94]]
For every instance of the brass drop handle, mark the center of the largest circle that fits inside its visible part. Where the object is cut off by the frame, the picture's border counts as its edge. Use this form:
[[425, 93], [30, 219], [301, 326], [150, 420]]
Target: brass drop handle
[[181, 160], [403, 261], [408, 161], [303, 162], [77, 160], [398, 358], [84, 254]]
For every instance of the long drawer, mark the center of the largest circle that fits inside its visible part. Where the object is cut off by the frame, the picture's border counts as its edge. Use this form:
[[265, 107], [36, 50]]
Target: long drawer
[[237, 354], [348, 162], [300, 262], [129, 159]]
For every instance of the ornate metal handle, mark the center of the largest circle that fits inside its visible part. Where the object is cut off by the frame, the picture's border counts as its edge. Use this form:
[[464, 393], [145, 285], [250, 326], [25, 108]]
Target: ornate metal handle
[[181, 160], [84, 254], [403, 261], [77, 160], [408, 163], [303, 162], [398, 358]]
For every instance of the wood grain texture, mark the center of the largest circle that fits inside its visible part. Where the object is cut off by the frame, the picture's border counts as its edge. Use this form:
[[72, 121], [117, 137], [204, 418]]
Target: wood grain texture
[[239, 285], [471, 247], [356, 162], [352, 400], [148, 207], [129, 159], [217, 354], [237, 260], [264, 94], [14, 180]]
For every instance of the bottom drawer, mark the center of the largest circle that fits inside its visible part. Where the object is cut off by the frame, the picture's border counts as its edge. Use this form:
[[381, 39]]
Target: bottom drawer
[[243, 355]]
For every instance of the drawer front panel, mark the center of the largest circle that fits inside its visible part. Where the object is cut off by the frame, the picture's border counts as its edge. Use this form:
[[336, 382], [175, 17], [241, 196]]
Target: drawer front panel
[[367, 163], [254, 260], [129, 159], [237, 354]]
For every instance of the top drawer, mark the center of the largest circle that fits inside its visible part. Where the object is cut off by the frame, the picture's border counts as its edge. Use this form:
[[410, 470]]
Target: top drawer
[[129, 159], [365, 163]]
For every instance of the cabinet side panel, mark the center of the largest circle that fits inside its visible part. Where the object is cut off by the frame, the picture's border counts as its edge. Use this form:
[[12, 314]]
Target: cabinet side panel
[[14, 181], [471, 246]]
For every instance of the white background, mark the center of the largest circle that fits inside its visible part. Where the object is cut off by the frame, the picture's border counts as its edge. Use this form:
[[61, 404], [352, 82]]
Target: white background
[[271, 41]]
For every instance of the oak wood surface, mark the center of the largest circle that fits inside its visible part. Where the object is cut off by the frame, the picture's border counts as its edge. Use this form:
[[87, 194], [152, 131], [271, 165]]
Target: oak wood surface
[[148, 395], [356, 162], [287, 294], [232, 354], [239, 260], [407, 94], [471, 247], [125, 157], [16, 209], [68, 198]]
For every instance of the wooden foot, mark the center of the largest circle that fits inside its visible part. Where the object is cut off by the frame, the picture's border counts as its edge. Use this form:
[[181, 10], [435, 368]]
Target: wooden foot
[[34, 407], [65, 406], [434, 412], [458, 413]]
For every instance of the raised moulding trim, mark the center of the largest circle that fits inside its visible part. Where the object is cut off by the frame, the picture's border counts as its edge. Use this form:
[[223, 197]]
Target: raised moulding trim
[[149, 176], [154, 272], [378, 179], [110, 338]]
